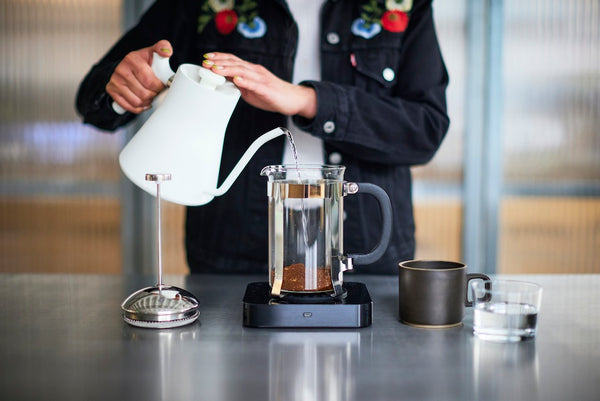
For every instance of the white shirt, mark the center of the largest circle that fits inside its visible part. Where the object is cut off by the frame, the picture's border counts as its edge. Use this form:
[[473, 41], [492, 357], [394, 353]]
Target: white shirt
[[307, 66]]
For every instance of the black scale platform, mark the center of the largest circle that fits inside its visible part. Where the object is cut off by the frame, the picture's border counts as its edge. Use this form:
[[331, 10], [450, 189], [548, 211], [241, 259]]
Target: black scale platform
[[354, 310]]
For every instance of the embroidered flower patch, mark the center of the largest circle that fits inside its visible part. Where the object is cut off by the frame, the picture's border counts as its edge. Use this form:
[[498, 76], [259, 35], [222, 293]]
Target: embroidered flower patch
[[360, 27], [373, 18], [229, 14], [254, 29]]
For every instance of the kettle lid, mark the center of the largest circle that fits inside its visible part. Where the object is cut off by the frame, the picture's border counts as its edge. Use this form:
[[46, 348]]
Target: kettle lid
[[210, 79]]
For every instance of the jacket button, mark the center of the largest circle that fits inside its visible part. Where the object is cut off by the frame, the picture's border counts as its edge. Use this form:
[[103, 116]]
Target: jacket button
[[333, 38], [388, 74], [335, 158], [329, 127]]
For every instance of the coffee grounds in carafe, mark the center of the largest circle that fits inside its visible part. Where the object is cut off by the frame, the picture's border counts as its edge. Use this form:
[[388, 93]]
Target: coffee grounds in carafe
[[294, 279]]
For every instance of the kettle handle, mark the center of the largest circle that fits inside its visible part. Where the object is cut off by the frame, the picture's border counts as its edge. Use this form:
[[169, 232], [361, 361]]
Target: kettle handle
[[261, 140], [385, 206], [161, 68]]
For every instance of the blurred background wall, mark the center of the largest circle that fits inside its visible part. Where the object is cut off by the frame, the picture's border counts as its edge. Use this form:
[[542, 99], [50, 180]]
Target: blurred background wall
[[515, 187]]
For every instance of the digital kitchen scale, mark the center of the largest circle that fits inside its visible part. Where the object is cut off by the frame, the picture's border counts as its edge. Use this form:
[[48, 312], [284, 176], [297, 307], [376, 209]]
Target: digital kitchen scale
[[261, 310]]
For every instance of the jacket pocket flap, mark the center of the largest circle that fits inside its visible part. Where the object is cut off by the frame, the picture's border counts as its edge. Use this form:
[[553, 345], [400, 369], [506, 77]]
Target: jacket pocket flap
[[377, 64]]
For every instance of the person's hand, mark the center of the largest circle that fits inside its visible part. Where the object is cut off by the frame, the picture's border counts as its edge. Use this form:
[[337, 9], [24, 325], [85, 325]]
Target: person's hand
[[263, 89], [133, 84]]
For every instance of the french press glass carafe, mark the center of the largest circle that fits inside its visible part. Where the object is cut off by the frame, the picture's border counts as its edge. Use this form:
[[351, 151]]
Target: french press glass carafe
[[306, 216]]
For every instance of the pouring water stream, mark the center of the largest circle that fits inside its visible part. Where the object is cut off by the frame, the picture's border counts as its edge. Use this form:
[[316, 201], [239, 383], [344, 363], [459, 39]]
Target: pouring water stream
[[310, 251]]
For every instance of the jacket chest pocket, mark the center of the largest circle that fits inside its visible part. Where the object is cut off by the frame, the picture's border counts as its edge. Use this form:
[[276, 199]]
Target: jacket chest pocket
[[375, 68]]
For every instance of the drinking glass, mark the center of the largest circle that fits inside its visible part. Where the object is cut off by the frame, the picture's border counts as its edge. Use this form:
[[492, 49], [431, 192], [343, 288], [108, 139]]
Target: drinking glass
[[505, 310]]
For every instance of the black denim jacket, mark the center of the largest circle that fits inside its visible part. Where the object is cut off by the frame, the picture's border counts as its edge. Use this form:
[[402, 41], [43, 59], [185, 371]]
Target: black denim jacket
[[381, 108]]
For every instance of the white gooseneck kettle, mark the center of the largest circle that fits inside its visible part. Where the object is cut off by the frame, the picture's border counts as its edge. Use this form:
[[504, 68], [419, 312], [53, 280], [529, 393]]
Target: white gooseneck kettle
[[185, 134]]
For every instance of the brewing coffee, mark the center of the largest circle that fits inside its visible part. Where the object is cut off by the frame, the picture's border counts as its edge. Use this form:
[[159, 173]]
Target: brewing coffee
[[297, 278], [306, 218]]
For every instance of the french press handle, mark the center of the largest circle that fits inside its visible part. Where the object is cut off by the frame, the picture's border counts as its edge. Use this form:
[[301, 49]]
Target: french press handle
[[386, 213]]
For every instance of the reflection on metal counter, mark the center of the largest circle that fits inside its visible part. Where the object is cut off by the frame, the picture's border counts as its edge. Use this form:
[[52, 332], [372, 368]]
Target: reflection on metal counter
[[495, 364], [313, 366]]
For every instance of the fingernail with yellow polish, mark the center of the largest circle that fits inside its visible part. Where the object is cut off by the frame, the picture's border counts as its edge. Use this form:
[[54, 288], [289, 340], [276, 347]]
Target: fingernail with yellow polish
[[165, 50], [208, 63], [209, 55]]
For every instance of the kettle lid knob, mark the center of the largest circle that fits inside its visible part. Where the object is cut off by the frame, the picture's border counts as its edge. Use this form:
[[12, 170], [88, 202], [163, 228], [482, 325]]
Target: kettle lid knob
[[209, 79]]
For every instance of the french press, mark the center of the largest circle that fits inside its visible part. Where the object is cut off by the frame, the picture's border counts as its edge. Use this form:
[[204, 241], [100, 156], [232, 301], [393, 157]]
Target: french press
[[306, 217]]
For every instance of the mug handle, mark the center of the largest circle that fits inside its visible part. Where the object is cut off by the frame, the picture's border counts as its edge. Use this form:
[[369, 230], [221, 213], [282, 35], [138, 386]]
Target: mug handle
[[473, 276], [386, 214]]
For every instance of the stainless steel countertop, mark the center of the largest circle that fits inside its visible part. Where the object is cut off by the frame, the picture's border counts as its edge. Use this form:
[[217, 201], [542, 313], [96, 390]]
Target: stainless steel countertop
[[62, 338]]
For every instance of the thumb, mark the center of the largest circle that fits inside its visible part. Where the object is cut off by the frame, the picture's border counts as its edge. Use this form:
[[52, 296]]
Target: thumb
[[163, 48]]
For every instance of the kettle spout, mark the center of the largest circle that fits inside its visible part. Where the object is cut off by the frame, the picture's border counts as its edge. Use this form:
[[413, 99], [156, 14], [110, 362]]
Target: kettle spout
[[261, 140]]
